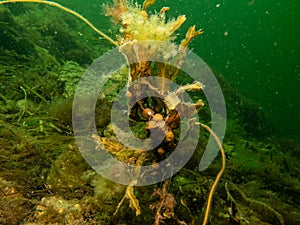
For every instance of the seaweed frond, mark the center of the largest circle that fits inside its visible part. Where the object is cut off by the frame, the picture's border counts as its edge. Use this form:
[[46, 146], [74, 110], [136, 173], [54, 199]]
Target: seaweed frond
[[165, 205], [133, 201], [147, 3], [191, 33]]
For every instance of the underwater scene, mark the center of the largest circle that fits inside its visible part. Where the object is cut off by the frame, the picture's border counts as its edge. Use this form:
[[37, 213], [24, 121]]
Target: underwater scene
[[125, 112]]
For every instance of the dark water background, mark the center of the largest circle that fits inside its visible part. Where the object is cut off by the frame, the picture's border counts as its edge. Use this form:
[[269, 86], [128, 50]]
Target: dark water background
[[253, 44]]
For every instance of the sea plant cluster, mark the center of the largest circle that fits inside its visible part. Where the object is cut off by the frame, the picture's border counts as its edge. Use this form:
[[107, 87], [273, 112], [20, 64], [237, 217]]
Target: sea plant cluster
[[158, 114]]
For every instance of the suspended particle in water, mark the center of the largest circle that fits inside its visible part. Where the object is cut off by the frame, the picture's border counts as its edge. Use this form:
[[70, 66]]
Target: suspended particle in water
[[226, 33]]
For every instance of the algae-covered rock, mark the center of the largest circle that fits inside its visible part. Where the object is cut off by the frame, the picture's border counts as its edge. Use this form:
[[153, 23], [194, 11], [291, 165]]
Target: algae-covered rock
[[104, 189], [66, 171], [70, 76], [14, 209], [56, 210]]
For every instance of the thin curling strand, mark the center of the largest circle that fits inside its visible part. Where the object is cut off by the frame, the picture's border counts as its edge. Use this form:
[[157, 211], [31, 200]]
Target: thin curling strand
[[67, 10], [213, 188]]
